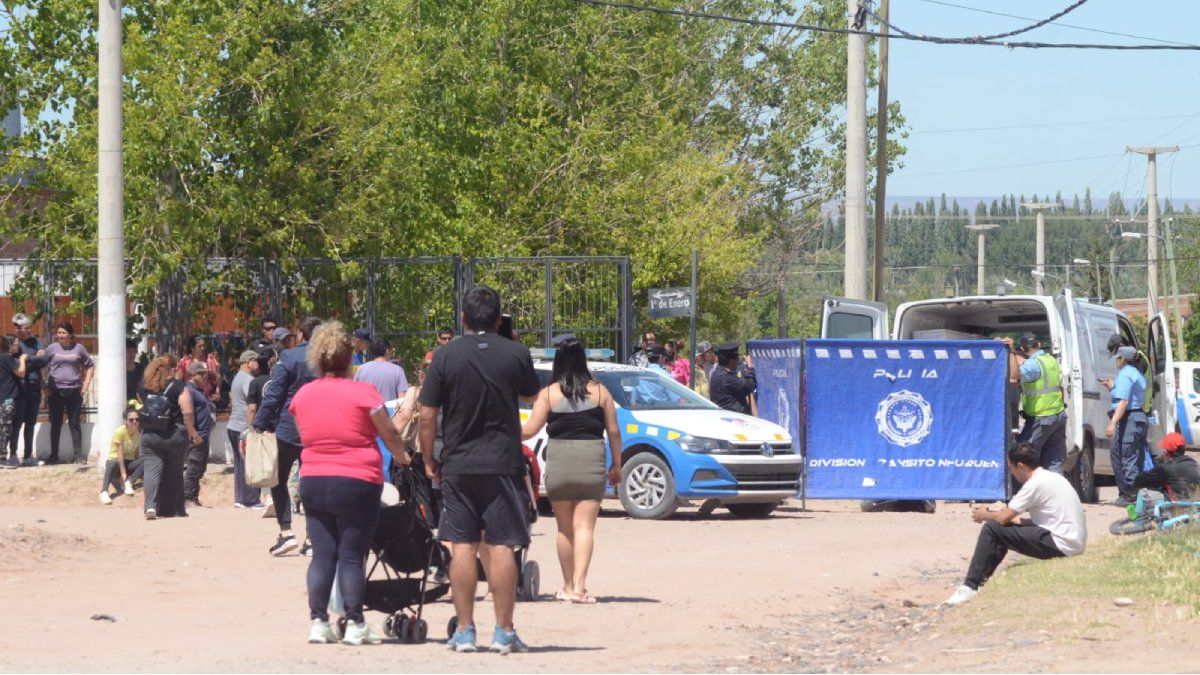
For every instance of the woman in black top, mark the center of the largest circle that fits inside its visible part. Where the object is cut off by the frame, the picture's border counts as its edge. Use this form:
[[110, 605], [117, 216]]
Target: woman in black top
[[577, 411], [164, 450], [12, 372]]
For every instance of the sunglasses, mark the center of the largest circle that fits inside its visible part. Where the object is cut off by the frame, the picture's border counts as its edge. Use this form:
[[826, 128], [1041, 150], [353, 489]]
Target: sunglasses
[[132, 419]]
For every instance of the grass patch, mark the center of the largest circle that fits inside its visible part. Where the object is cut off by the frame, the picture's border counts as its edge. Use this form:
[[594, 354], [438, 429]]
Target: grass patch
[[1154, 567]]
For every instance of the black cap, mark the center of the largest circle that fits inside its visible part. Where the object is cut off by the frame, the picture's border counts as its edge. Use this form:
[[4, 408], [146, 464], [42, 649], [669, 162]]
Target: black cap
[[1114, 343], [1029, 340], [730, 348], [658, 350], [363, 334]]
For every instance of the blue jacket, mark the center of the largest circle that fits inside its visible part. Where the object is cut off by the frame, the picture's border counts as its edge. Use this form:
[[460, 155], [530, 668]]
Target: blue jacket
[[33, 364], [289, 374]]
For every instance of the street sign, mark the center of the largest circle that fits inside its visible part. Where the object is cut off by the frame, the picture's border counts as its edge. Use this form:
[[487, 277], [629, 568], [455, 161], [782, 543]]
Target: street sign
[[665, 302]]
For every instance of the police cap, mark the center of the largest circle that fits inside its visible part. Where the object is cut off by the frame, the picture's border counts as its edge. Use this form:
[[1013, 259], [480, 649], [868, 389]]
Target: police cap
[[728, 349], [1114, 343], [1029, 340]]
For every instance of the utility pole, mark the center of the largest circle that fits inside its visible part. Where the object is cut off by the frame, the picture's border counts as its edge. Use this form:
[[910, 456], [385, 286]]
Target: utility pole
[[855, 268], [1040, 263], [881, 154], [1180, 347], [110, 267], [1151, 153], [982, 229]]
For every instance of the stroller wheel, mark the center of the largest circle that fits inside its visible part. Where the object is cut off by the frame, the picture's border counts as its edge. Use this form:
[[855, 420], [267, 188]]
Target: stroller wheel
[[451, 627], [531, 581], [339, 627], [418, 631]]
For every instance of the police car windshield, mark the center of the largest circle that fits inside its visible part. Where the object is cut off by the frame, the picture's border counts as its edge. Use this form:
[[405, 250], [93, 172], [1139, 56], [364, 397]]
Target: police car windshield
[[644, 390]]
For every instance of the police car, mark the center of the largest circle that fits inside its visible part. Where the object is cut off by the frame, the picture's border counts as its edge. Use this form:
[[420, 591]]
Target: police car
[[677, 446]]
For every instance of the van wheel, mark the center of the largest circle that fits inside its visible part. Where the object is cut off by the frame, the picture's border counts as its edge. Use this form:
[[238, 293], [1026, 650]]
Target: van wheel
[[752, 510], [647, 487], [1083, 477]]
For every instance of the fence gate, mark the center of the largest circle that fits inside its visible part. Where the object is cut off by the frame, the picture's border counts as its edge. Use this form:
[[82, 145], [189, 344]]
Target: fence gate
[[588, 296]]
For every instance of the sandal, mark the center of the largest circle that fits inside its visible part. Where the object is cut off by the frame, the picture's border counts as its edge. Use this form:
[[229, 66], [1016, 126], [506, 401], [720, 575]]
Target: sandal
[[563, 596], [584, 598]]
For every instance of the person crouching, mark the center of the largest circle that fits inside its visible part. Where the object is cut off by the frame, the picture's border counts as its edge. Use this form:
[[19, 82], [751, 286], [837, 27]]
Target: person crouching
[[1056, 526]]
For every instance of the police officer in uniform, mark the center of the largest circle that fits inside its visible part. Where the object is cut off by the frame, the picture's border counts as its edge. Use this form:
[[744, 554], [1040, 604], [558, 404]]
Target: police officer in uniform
[[1127, 425], [1042, 402], [731, 386]]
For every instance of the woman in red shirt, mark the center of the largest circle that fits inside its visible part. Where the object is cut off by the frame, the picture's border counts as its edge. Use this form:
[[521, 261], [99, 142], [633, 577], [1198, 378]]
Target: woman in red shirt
[[341, 478]]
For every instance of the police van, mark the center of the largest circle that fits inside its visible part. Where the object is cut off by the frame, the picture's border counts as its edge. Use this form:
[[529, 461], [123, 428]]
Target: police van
[[678, 446], [1074, 330]]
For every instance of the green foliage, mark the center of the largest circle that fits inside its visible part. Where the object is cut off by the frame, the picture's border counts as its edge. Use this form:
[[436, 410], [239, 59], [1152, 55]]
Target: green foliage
[[339, 128]]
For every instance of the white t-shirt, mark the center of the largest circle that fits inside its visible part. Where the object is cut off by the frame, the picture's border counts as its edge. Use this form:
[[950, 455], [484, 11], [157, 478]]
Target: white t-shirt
[[1052, 503]]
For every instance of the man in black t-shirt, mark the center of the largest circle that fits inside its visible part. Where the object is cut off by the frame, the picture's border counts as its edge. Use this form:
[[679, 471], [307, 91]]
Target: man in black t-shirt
[[476, 383]]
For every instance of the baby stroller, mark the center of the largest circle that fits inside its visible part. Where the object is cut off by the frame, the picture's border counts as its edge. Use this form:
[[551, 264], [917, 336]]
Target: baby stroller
[[403, 551]]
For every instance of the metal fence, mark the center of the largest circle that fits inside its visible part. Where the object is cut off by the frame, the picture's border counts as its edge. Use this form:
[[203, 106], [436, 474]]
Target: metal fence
[[404, 300]]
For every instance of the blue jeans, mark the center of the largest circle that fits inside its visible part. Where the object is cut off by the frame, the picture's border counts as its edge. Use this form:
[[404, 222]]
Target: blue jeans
[[340, 515], [1128, 446]]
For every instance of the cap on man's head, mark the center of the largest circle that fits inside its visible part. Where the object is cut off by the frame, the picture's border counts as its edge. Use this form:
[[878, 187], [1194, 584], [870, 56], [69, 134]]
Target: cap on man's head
[[558, 340], [1127, 353], [363, 334], [1173, 442], [657, 350], [197, 367], [22, 320], [703, 346], [1114, 343], [280, 334], [248, 356], [728, 348], [1029, 340]]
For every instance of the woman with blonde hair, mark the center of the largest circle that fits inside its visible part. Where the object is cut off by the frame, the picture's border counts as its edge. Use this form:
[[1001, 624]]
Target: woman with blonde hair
[[168, 423], [341, 478]]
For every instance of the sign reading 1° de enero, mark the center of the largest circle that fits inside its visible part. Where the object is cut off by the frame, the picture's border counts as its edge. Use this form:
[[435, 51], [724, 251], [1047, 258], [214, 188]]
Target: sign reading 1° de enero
[[667, 302]]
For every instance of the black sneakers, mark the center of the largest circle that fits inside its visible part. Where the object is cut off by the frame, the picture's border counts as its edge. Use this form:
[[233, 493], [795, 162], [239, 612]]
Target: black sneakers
[[286, 543]]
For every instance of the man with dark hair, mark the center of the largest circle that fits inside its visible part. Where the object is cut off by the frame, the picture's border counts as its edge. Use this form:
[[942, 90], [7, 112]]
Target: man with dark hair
[[656, 359], [1042, 402], [444, 336], [29, 399], [205, 413], [731, 385], [361, 339], [641, 357], [1056, 526], [387, 377], [476, 383], [289, 374]]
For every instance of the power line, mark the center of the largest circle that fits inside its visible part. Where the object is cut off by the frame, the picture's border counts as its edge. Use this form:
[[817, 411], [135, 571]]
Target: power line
[[1057, 15], [614, 4], [1056, 23], [1008, 166], [1051, 125]]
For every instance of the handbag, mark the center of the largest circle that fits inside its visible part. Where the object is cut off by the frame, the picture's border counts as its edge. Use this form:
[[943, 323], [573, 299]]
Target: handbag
[[262, 459]]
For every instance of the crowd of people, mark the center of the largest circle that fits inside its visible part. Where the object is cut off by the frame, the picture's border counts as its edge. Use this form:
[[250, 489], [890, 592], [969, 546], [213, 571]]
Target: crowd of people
[[722, 374]]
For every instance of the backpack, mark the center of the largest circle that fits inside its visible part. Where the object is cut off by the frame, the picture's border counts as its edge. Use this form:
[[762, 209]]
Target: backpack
[[156, 413]]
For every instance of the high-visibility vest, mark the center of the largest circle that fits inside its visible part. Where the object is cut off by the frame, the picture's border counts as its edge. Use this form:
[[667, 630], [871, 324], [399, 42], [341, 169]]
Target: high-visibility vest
[[1043, 397]]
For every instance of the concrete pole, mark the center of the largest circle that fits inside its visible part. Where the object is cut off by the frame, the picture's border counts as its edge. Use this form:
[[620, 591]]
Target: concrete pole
[[1180, 347], [855, 269], [1151, 154], [110, 367], [1040, 255], [881, 156], [979, 261]]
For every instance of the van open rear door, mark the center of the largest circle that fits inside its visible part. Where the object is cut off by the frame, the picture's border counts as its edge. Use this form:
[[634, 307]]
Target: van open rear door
[[1162, 367], [1073, 340], [854, 319]]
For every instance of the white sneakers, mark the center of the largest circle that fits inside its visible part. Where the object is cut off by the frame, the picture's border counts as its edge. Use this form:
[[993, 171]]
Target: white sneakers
[[128, 488], [321, 633], [360, 633], [104, 498], [961, 594]]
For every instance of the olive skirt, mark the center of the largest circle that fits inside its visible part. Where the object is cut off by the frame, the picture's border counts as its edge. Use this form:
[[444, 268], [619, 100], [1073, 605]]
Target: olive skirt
[[575, 470]]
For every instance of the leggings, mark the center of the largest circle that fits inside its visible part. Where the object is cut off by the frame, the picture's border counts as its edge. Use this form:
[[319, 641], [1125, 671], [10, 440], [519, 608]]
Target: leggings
[[162, 461], [340, 515], [288, 455], [112, 473], [25, 419], [70, 401]]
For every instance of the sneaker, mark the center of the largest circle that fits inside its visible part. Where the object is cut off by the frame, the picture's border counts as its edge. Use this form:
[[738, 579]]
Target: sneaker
[[194, 503], [29, 461], [12, 462], [269, 510], [128, 488], [358, 633], [1123, 502], [105, 499], [507, 642], [463, 640], [961, 594], [306, 548], [286, 543], [321, 633], [151, 514], [239, 505]]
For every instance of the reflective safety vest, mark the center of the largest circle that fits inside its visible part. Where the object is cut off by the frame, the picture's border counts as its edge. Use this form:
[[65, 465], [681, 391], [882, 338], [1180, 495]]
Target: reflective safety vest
[[1043, 397], [1149, 375]]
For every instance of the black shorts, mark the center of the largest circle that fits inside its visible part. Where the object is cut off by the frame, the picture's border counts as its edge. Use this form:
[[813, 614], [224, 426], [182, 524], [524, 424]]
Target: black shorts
[[497, 505]]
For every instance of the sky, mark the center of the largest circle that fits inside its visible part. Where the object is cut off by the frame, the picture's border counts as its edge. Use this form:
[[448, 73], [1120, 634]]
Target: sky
[[1081, 92]]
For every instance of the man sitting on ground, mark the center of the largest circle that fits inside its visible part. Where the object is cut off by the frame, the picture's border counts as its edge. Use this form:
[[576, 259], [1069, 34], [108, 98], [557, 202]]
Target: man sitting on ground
[[1176, 478], [1056, 525]]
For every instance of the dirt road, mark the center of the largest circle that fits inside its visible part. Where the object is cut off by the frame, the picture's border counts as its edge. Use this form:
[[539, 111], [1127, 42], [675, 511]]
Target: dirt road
[[691, 593]]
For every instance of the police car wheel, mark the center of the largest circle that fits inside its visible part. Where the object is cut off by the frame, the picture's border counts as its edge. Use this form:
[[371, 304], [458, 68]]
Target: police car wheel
[[752, 510], [647, 487]]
